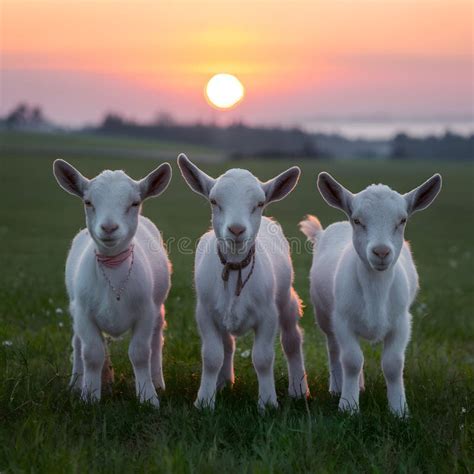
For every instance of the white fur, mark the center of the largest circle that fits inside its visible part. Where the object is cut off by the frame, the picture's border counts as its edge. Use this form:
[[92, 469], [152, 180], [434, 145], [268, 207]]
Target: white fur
[[114, 199], [361, 294], [267, 301]]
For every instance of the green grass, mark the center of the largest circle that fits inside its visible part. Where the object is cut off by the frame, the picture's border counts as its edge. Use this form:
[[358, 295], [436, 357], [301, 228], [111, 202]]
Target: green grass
[[44, 428], [59, 144]]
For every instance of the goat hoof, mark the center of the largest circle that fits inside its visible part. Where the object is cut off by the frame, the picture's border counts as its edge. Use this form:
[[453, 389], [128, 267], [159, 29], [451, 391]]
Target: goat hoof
[[299, 395], [159, 383], [153, 401], [204, 404], [264, 407], [347, 407]]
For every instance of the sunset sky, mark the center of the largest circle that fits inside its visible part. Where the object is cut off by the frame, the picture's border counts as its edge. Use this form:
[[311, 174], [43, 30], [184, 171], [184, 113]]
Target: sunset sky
[[297, 59]]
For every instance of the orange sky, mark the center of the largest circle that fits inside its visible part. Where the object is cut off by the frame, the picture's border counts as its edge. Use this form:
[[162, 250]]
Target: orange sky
[[297, 59]]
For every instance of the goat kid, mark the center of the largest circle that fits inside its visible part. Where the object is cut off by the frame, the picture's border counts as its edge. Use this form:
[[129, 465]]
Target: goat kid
[[244, 281], [363, 282], [117, 278]]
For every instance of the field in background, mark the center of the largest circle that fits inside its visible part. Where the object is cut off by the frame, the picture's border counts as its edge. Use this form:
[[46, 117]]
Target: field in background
[[46, 429], [76, 145]]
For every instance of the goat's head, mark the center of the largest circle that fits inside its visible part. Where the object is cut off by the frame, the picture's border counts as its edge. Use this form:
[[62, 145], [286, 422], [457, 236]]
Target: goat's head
[[378, 216], [237, 200], [112, 201]]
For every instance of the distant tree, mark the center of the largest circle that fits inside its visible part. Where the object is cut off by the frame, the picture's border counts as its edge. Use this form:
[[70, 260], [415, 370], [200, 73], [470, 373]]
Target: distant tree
[[164, 118], [447, 147], [309, 148], [18, 116], [399, 146], [36, 116], [24, 116], [112, 122]]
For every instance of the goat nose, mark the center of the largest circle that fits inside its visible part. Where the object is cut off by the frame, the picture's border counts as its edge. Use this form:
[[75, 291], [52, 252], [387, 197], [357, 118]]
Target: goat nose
[[236, 229], [109, 228], [381, 251]]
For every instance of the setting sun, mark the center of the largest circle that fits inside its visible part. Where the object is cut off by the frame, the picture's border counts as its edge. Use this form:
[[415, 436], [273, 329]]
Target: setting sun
[[224, 91]]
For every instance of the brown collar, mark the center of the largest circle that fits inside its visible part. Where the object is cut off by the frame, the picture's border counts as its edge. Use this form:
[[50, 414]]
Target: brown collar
[[228, 266]]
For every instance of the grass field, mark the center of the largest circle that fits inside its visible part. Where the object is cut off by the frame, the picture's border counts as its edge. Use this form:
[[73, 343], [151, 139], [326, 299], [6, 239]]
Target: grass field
[[76, 145], [44, 428]]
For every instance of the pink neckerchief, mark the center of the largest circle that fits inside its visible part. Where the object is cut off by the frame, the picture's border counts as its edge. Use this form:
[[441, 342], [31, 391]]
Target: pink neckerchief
[[114, 260]]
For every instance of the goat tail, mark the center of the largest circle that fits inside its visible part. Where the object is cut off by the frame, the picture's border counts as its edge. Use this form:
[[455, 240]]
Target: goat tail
[[311, 227]]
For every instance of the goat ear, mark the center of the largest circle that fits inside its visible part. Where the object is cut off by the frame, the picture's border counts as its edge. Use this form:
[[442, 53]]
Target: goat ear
[[69, 178], [334, 193], [422, 196], [279, 187], [197, 180], [156, 182]]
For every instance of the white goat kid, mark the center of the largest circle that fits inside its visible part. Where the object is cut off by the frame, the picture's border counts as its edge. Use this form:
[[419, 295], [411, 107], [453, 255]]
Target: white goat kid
[[363, 282], [117, 277], [243, 279]]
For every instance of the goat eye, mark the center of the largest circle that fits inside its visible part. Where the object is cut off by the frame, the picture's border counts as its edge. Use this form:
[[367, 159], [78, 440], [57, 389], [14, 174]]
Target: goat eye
[[87, 203], [357, 222], [135, 204], [213, 202], [260, 204], [403, 221]]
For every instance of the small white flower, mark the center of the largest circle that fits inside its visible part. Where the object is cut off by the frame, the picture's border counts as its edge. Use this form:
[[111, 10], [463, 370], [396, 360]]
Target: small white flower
[[463, 410], [245, 354], [461, 427], [60, 324], [59, 311], [453, 263], [7, 343]]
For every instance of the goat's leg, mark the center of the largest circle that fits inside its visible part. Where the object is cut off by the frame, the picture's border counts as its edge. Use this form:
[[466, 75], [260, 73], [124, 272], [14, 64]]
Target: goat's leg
[[93, 357], [263, 355], [77, 364], [362, 379], [335, 368], [139, 353], [323, 319], [226, 374], [393, 361], [157, 341], [352, 361], [212, 352], [107, 369], [291, 338]]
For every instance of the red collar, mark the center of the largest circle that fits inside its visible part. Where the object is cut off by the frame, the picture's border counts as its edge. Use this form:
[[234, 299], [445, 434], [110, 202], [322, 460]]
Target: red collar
[[114, 260]]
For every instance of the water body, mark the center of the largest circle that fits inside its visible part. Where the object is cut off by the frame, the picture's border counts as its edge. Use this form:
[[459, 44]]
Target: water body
[[385, 129]]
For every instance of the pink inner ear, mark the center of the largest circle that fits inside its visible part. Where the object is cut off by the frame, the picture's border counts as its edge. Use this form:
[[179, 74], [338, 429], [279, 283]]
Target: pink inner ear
[[285, 184], [155, 182], [281, 186], [197, 180], [193, 179], [425, 195], [333, 190], [69, 178]]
